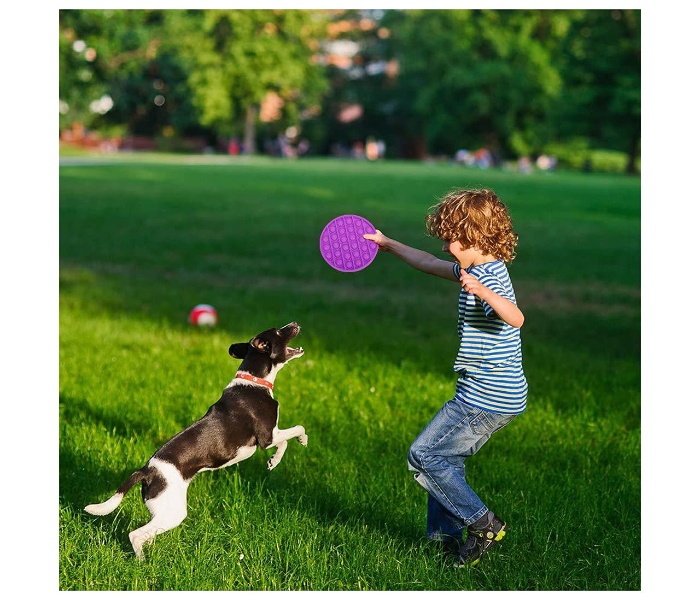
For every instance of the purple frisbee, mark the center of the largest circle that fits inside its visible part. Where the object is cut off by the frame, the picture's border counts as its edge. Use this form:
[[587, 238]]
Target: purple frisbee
[[342, 244]]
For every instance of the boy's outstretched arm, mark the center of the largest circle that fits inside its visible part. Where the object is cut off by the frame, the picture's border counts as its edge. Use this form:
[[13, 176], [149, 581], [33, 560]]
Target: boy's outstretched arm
[[423, 261]]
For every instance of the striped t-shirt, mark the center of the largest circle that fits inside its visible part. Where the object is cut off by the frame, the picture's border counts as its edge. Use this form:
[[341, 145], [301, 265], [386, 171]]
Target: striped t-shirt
[[489, 361]]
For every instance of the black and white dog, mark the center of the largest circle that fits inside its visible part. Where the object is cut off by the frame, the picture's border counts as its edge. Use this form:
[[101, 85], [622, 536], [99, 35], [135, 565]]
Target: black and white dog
[[244, 418]]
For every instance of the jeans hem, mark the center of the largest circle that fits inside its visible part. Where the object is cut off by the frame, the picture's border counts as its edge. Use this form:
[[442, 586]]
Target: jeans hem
[[477, 515]]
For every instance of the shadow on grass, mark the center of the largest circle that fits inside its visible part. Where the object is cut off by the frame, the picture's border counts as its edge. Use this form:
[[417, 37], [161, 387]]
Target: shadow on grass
[[123, 424], [83, 481]]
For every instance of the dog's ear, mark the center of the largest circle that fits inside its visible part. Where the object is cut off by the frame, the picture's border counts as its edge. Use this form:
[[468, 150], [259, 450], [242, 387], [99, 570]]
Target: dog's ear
[[260, 345], [238, 350]]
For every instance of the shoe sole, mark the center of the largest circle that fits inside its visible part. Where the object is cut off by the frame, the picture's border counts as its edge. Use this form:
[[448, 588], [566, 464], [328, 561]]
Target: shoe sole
[[502, 533]]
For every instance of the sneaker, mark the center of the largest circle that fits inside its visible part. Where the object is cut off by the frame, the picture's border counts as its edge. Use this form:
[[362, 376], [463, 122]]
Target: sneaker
[[482, 535], [469, 553], [450, 547]]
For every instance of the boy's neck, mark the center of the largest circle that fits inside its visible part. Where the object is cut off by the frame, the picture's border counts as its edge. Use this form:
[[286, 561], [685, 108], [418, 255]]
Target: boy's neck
[[466, 262]]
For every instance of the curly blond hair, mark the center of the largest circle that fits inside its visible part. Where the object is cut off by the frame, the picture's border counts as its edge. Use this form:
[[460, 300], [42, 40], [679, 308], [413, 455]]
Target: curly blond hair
[[475, 218]]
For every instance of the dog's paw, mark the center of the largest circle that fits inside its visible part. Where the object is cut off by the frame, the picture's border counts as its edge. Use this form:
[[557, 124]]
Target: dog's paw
[[137, 544], [272, 463], [303, 440]]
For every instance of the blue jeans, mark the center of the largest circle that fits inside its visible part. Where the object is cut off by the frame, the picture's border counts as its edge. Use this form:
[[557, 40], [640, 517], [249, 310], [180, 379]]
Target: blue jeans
[[437, 458]]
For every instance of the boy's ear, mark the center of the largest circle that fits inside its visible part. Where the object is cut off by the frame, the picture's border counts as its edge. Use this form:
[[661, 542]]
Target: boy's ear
[[238, 350], [260, 345]]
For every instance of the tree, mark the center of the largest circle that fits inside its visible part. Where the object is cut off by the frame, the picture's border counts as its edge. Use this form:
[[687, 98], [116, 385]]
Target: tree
[[601, 66], [118, 71], [427, 80], [94, 47], [234, 58], [469, 78]]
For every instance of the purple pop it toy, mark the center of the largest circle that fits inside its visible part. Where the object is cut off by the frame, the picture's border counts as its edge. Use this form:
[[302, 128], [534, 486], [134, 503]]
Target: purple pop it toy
[[342, 244]]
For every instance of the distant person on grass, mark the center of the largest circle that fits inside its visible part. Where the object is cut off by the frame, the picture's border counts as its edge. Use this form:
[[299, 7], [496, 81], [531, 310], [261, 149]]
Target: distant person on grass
[[477, 231]]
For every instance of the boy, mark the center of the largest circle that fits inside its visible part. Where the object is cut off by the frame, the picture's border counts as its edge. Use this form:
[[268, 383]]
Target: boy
[[476, 230]]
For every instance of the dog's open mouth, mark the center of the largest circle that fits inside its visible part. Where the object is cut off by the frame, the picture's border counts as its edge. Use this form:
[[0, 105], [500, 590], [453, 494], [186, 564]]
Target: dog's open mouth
[[294, 353], [291, 331]]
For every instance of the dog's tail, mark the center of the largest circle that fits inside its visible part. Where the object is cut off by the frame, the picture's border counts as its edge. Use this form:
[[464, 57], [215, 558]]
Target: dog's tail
[[109, 505]]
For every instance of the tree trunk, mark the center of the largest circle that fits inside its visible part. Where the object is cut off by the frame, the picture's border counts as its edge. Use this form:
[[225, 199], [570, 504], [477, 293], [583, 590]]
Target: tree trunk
[[415, 147], [249, 139], [632, 156], [493, 145]]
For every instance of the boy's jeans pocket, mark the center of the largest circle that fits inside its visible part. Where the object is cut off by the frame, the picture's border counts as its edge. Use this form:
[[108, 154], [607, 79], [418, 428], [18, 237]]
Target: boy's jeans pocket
[[484, 422]]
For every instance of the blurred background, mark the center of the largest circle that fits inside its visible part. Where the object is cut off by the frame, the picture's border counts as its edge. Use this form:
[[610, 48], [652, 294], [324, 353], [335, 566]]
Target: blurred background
[[522, 90]]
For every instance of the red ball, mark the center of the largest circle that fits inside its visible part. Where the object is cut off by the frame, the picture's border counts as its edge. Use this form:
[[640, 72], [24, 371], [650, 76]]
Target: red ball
[[204, 315]]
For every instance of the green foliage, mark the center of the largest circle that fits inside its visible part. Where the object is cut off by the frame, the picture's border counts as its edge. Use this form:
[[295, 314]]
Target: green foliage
[[573, 154], [208, 66], [516, 81], [98, 48], [608, 161], [79, 81], [576, 154], [141, 243], [601, 66], [474, 78], [133, 64], [235, 57]]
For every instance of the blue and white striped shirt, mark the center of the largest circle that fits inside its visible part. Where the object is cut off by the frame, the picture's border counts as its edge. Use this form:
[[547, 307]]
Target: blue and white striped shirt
[[489, 360]]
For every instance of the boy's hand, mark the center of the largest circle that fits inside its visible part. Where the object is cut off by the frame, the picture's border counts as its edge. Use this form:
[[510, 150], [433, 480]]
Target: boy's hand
[[472, 285], [378, 238], [502, 307]]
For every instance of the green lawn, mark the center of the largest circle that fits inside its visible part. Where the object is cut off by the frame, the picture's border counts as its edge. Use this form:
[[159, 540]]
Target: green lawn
[[145, 239], [71, 150]]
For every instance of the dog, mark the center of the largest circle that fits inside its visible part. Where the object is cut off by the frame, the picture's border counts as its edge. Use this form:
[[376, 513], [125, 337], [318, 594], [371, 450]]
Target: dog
[[244, 418]]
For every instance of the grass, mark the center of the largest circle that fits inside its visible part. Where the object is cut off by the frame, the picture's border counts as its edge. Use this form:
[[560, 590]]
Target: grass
[[71, 150], [145, 239]]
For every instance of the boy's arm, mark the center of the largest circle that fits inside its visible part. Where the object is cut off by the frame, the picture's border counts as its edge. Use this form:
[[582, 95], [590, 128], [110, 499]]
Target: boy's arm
[[423, 261], [506, 309]]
